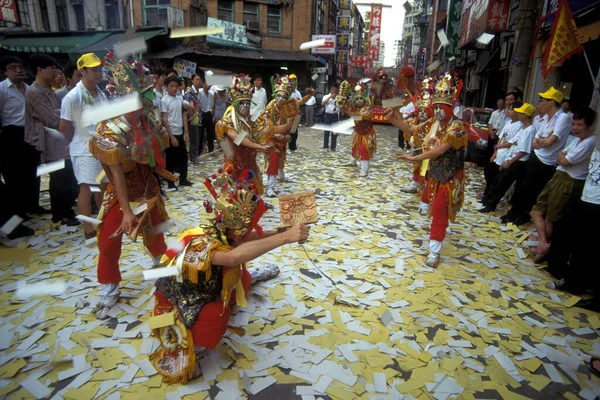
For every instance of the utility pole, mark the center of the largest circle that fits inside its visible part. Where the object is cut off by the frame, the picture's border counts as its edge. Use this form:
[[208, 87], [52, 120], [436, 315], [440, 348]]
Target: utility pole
[[523, 42]]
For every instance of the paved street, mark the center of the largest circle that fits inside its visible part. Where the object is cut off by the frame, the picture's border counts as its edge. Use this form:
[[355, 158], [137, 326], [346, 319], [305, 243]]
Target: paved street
[[480, 326]]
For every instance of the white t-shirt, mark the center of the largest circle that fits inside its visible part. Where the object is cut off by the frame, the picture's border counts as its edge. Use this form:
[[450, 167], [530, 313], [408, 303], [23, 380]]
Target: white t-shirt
[[407, 110], [259, 102], [311, 101], [296, 95], [539, 120], [330, 105], [77, 100], [497, 119], [560, 126], [173, 106], [158, 96], [506, 135], [591, 190], [578, 155], [521, 142]]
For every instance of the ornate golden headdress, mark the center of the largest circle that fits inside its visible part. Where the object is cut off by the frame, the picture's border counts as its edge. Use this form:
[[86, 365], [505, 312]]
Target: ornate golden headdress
[[130, 75], [425, 92], [236, 206], [241, 89], [282, 84], [360, 91], [447, 89]]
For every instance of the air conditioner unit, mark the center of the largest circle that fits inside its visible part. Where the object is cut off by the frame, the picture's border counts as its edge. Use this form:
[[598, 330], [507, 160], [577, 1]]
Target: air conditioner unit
[[75, 2], [253, 26]]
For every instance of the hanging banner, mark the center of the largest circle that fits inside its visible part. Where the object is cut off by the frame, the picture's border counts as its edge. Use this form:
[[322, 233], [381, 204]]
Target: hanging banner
[[328, 48], [8, 11], [342, 23], [359, 61], [342, 41], [344, 5], [453, 28], [482, 16], [341, 57], [375, 32]]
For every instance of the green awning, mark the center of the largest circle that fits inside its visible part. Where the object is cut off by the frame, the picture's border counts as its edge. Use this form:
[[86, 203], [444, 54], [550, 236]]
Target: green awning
[[101, 47], [50, 44]]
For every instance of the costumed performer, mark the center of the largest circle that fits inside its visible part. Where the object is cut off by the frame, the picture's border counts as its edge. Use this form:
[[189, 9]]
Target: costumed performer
[[422, 121], [239, 136], [448, 140], [281, 112], [213, 275], [364, 142], [130, 148]]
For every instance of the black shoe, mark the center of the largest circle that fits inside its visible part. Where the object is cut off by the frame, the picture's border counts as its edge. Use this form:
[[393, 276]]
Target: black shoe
[[171, 185], [185, 182], [486, 210], [21, 231], [589, 304], [39, 211], [70, 221], [506, 218]]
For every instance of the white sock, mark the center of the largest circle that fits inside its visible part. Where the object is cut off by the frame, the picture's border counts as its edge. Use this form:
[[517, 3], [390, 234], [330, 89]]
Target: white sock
[[414, 185], [364, 166], [156, 260], [271, 181], [109, 289], [281, 173], [352, 160], [435, 246]]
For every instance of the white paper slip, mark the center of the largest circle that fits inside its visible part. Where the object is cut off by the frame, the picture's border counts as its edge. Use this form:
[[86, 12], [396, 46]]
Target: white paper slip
[[134, 46], [459, 343], [112, 109], [156, 273], [434, 65], [553, 373], [399, 267], [10, 225], [146, 367], [30, 341], [312, 44], [95, 189], [84, 218], [200, 31], [240, 137], [441, 34], [140, 209], [391, 103], [50, 167], [380, 382], [521, 253], [46, 288]]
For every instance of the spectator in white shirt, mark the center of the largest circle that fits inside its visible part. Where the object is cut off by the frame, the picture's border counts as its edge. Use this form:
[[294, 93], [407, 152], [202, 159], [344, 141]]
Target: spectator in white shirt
[[309, 111], [294, 132], [175, 121], [515, 160], [407, 111], [13, 149], [207, 113], [567, 182], [332, 115], [549, 140], [259, 98], [497, 117], [573, 252], [85, 94]]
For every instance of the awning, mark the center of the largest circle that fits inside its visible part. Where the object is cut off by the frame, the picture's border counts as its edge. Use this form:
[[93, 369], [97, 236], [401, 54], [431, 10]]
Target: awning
[[267, 55], [106, 44], [50, 44], [589, 32]]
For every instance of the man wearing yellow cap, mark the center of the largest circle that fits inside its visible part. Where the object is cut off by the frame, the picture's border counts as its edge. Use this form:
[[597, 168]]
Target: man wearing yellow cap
[[516, 158], [550, 139], [85, 94]]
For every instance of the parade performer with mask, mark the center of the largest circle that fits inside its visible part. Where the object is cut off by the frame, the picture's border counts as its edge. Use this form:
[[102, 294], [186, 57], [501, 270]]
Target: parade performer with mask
[[364, 142], [212, 273], [422, 121], [130, 148], [281, 112], [447, 139], [240, 137]]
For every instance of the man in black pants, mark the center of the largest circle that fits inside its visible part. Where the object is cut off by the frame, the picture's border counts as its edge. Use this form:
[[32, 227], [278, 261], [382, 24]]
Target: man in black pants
[[207, 108], [17, 159], [42, 108]]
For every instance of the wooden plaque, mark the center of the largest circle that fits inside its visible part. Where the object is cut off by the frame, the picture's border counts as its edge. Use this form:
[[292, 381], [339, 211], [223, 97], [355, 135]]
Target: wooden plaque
[[299, 207]]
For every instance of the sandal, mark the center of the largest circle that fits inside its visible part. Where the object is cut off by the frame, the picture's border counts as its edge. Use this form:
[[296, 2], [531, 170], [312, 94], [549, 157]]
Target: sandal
[[590, 366]]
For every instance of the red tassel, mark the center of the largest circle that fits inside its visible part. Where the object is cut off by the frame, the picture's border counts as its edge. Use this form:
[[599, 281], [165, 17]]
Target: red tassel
[[138, 133], [210, 188], [261, 209]]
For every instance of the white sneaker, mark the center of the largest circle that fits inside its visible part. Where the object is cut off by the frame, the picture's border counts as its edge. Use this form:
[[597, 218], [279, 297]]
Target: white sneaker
[[104, 306], [409, 189], [271, 193], [363, 173], [423, 208], [433, 260]]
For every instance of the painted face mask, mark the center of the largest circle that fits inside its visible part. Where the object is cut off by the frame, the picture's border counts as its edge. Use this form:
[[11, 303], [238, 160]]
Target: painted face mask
[[281, 97], [441, 112], [243, 107], [422, 115]]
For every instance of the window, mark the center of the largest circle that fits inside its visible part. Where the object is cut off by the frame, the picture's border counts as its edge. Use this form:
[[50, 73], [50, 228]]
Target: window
[[44, 14], [62, 16], [442, 5], [320, 20], [113, 21], [250, 12], [157, 12], [79, 16], [225, 10], [273, 19]]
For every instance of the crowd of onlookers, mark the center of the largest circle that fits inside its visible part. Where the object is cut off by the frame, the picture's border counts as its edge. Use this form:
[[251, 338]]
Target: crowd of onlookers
[[550, 157]]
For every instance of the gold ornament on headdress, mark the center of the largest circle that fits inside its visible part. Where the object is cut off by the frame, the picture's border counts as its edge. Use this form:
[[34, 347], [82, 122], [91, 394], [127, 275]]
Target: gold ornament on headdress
[[344, 94], [241, 89], [282, 84], [130, 75], [447, 90], [426, 88]]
